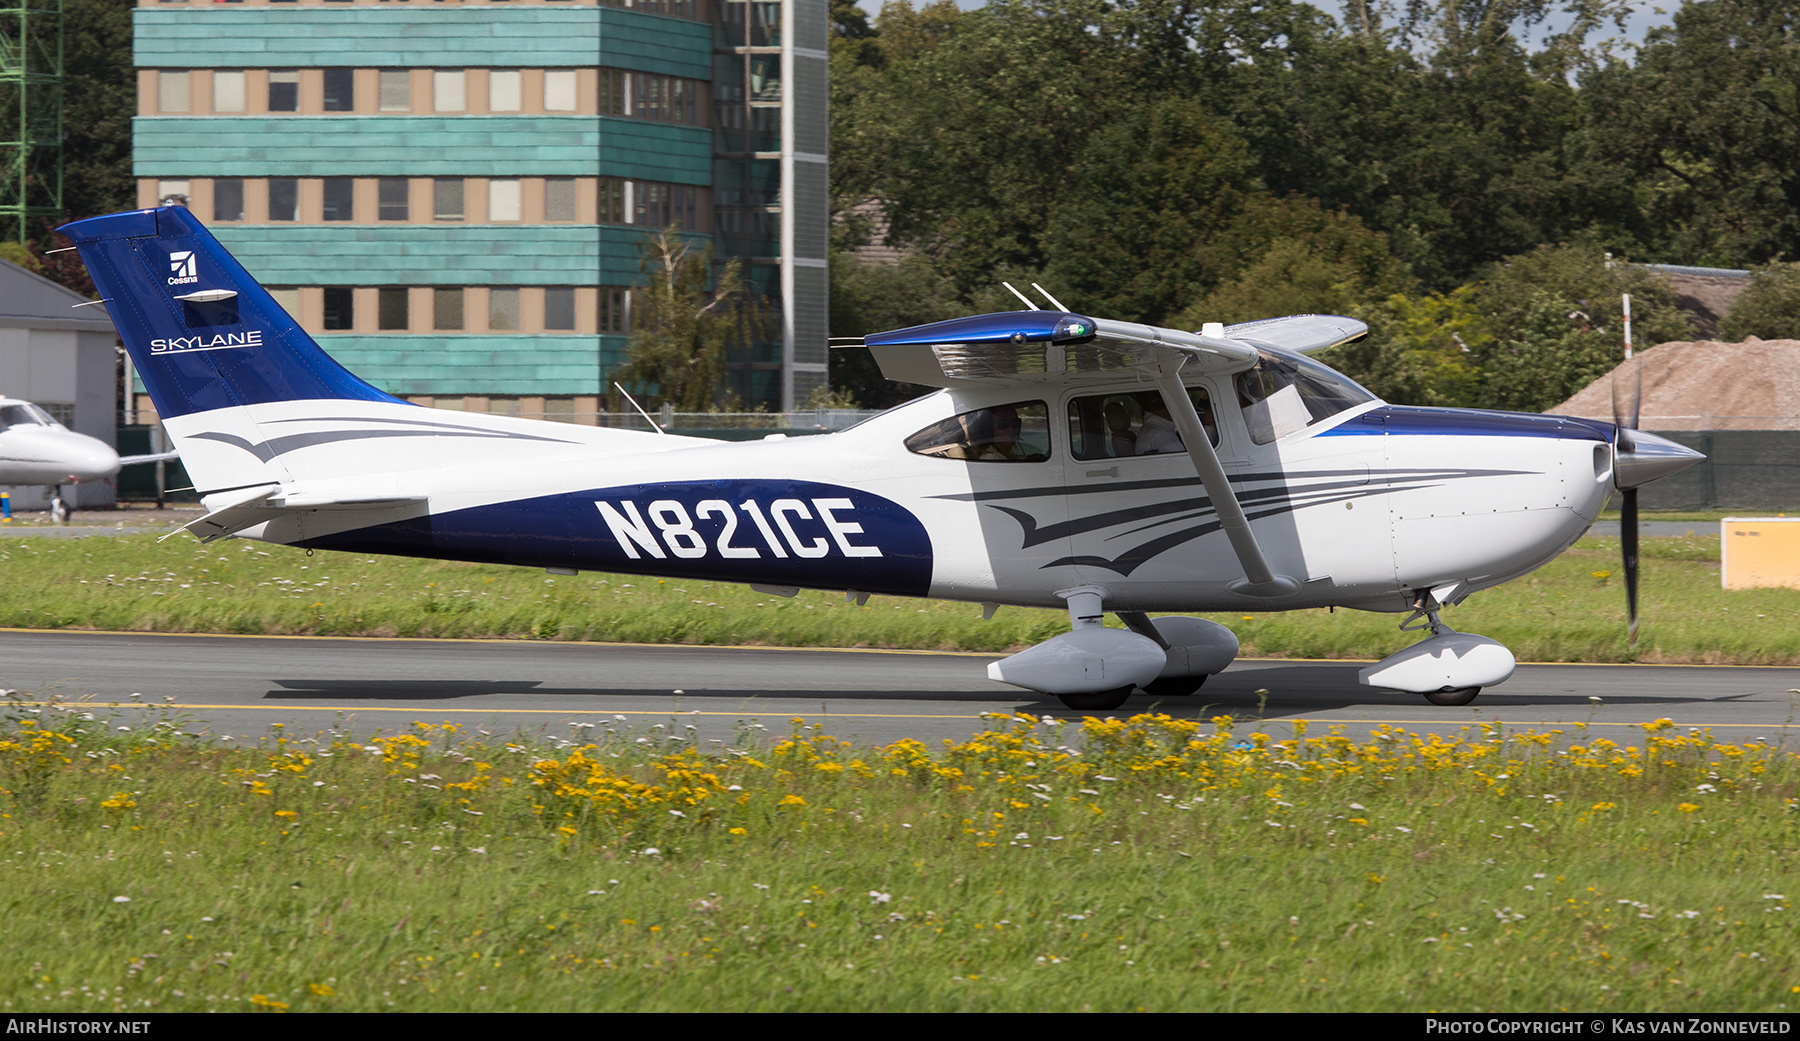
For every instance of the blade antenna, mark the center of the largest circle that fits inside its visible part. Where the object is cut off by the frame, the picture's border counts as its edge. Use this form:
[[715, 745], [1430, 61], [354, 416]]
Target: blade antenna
[[640, 409], [1022, 297], [1054, 301]]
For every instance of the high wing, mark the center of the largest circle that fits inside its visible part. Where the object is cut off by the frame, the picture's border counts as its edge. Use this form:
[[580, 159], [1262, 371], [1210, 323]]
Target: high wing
[[1066, 348]]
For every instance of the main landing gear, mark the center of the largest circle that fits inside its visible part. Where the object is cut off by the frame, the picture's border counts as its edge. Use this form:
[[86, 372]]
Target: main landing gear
[[1448, 668], [1095, 669]]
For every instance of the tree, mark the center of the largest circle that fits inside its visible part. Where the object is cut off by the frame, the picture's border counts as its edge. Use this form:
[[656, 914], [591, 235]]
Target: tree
[[1705, 131], [1556, 319], [679, 332], [1292, 256], [1769, 307]]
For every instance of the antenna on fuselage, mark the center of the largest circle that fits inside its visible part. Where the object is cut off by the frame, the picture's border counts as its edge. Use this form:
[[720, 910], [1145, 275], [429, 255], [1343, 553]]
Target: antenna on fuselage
[[1058, 304], [640, 409], [1022, 297]]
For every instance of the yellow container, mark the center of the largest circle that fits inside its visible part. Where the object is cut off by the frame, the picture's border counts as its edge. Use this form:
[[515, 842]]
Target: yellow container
[[1759, 551]]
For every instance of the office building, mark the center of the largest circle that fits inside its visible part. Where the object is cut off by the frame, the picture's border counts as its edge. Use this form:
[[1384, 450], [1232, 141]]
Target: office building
[[451, 196]]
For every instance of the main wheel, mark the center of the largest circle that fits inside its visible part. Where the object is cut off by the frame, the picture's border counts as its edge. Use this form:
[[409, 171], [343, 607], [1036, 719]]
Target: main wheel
[[1459, 696], [1097, 701], [1175, 686]]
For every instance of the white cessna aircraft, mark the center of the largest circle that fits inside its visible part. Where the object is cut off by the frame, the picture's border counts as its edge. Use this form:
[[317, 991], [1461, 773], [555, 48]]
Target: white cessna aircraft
[[37, 450], [1067, 461]]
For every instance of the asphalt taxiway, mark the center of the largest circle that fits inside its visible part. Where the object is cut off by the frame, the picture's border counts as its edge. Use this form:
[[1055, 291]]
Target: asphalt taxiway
[[240, 686]]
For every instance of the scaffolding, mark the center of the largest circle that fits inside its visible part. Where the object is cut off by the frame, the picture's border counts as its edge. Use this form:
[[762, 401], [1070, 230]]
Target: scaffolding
[[31, 127]]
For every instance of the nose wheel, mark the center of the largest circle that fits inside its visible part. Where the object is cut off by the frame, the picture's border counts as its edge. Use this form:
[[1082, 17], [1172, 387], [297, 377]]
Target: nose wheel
[[1457, 696], [59, 508], [1097, 701]]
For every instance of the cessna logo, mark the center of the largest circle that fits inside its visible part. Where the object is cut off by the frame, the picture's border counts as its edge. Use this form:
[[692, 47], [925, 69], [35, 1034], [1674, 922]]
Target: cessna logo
[[770, 533], [181, 266], [217, 342]]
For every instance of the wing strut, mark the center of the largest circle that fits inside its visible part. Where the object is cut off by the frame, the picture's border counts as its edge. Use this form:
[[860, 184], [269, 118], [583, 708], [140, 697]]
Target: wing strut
[[1260, 579]]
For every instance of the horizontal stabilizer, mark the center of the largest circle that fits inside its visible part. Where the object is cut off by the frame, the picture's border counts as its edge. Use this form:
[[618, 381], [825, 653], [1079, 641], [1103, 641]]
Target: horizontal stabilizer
[[227, 516]]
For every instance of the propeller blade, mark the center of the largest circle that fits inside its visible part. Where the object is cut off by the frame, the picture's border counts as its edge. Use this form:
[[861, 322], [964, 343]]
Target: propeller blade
[[1628, 538], [1628, 393], [1628, 399]]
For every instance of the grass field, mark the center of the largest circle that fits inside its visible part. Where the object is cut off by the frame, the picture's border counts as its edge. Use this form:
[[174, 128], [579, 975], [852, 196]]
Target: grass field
[[1164, 866], [1571, 610]]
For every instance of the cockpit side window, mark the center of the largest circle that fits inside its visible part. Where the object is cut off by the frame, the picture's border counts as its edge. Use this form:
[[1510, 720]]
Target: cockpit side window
[[1134, 423], [1017, 433], [1283, 394]]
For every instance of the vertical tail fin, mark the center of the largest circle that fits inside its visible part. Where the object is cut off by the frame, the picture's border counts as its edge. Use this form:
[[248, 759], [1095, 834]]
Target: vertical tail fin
[[202, 333], [209, 343]]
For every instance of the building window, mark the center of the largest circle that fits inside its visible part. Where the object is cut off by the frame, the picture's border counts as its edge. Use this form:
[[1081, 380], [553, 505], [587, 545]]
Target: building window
[[447, 199], [228, 199], [666, 99], [447, 309], [503, 309], [559, 309], [284, 198], [340, 308], [340, 199], [286, 297], [506, 90], [284, 91], [393, 191], [391, 308], [395, 90], [340, 90], [447, 91], [503, 200], [559, 198], [559, 90], [172, 193], [614, 308], [172, 92], [228, 91], [612, 201], [612, 93]]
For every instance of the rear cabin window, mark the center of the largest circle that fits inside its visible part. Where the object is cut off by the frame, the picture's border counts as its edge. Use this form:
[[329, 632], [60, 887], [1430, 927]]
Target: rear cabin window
[[1108, 426], [1018, 433]]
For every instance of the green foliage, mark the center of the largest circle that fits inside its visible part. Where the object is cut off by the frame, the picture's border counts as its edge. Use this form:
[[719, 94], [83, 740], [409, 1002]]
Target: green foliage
[[99, 101], [1556, 318], [1418, 349], [679, 331], [1571, 610], [1768, 308], [1131, 240], [1703, 130], [1290, 256], [20, 254], [870, 298], [1168, 865]]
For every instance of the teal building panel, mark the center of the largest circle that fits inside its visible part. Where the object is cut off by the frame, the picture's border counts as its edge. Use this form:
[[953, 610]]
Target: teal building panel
[[450, 364], [419, 146], [536, 36], [437, 254]]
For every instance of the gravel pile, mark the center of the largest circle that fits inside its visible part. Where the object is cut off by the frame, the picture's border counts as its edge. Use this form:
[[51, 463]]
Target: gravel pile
[[1706, 385]]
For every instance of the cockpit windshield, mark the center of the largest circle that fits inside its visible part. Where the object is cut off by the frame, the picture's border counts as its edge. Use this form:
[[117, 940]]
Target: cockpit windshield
[[24, 414], [1285, 393]]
